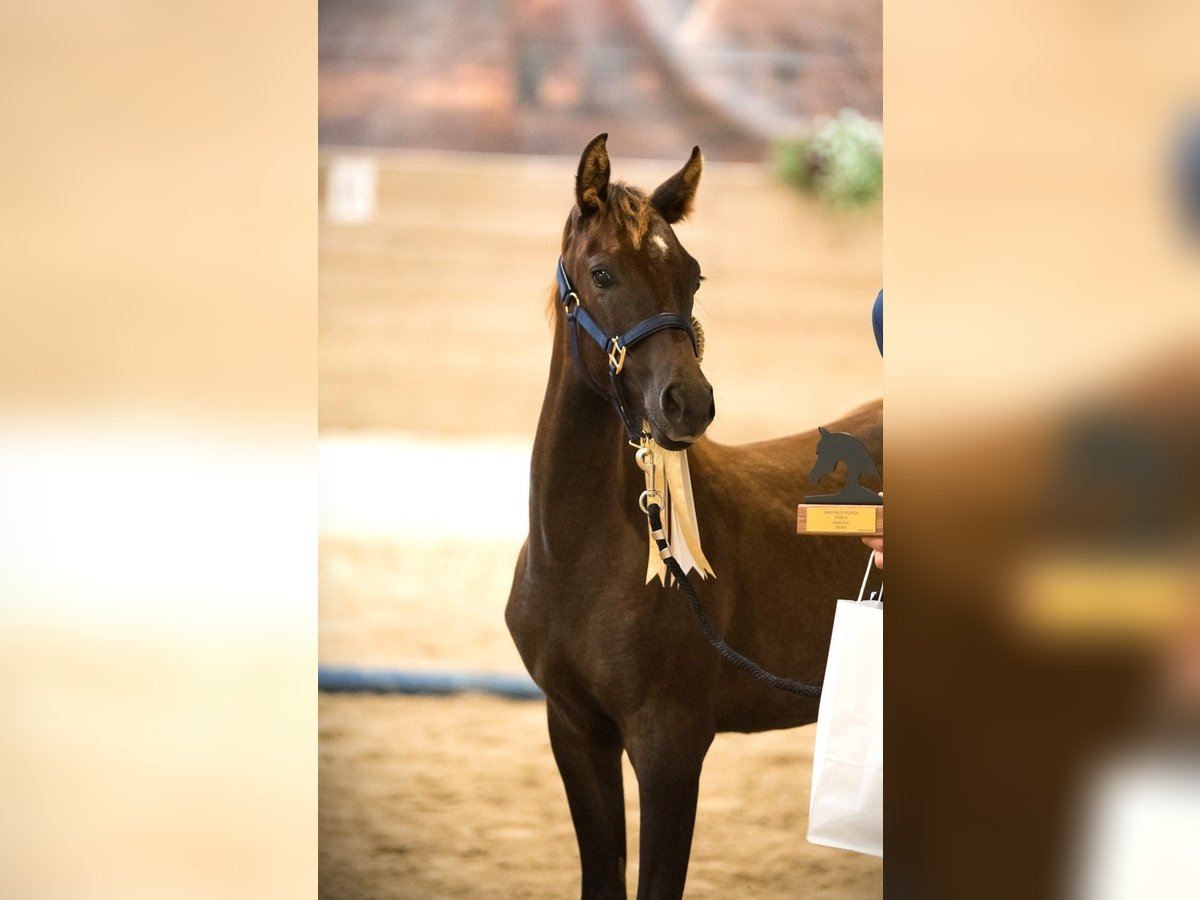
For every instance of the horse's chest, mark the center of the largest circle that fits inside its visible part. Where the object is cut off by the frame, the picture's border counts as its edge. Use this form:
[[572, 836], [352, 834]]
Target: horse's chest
[[584, 634], [572, 612]]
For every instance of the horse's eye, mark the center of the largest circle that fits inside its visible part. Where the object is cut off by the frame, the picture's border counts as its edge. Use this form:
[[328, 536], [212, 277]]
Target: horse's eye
[[699, 281], [602, 278]]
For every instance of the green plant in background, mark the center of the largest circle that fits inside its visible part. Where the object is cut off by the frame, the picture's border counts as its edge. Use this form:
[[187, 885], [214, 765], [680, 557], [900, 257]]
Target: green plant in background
[[841, 161]]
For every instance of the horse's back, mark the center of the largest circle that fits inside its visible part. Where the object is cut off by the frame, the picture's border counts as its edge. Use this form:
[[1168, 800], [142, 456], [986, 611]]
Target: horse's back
[[780, 466]]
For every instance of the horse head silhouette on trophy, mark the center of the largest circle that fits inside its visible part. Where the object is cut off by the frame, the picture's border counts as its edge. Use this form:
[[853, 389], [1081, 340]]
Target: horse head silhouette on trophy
[[835, 447]]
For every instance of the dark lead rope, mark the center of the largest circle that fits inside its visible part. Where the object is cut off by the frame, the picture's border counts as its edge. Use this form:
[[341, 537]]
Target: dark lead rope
[[654, 512]]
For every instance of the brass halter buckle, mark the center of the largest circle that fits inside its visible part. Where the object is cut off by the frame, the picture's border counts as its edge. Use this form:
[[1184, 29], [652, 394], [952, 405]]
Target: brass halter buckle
[[616, 356]]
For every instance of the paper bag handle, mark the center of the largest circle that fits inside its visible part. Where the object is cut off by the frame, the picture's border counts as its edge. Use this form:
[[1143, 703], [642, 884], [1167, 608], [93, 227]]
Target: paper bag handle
[[866, 575]]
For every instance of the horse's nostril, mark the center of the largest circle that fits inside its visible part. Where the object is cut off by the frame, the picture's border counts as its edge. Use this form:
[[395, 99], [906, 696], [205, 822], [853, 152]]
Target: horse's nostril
[[685, 411], [672, 405]]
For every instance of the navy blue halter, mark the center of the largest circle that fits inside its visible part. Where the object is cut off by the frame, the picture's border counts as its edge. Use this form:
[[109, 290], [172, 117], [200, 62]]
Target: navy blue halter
[[615, 347]]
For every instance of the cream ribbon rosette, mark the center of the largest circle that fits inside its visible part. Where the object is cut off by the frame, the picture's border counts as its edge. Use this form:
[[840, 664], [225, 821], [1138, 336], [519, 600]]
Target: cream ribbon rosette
[[667, 476]]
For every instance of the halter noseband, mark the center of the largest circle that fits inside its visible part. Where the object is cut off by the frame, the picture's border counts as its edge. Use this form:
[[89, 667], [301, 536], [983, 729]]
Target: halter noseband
[[615, 347]]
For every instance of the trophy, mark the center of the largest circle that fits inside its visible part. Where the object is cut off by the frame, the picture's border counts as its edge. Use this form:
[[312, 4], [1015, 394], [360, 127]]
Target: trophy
[[854, 510]]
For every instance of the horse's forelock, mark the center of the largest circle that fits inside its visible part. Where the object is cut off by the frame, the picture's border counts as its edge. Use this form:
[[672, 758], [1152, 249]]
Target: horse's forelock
[[631, 209], [627, 207]]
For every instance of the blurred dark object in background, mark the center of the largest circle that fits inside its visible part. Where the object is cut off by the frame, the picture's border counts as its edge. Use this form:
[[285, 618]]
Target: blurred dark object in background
[[544, 76], [1187, 173]]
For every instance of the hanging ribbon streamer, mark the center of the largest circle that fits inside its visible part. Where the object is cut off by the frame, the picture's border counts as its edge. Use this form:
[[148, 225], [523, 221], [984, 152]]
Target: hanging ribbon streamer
[[667, 476]]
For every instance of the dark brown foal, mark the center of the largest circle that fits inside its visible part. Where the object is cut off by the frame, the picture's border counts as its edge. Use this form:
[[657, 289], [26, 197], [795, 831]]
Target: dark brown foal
[[622, 662]]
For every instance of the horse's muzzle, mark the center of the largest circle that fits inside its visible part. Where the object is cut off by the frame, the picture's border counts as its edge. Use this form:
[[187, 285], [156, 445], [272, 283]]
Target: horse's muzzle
[[687, 411]]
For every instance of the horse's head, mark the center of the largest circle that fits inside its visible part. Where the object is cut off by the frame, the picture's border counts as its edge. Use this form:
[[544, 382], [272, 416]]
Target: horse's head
[[827, 458], [626, 267]]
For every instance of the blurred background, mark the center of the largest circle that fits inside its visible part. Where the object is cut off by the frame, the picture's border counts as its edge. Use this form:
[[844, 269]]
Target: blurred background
[[544, 76], [159, 450], [450, 134]]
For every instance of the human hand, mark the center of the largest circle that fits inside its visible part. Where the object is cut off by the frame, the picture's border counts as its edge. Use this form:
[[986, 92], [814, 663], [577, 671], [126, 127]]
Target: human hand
[[876, 544]]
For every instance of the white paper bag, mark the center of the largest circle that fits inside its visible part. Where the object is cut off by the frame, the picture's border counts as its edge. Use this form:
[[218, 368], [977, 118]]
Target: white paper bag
[[1138, 827], [846, 804]]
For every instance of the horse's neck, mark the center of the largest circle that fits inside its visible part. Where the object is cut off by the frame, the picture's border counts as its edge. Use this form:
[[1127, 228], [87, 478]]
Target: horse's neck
[[581, 481]]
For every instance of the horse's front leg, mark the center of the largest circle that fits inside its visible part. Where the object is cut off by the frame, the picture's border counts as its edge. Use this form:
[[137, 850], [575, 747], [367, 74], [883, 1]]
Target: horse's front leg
[[667, 749], [588, 753]]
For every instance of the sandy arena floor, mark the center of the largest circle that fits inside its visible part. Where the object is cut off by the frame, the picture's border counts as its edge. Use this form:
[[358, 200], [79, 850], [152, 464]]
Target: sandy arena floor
[[459, 798]]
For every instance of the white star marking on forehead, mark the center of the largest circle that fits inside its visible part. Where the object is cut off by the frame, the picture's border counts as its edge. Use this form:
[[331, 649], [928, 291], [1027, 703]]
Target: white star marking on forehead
[[660, 243]]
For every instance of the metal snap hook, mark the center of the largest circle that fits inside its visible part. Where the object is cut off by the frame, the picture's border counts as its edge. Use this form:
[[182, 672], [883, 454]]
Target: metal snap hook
[[644, 500]]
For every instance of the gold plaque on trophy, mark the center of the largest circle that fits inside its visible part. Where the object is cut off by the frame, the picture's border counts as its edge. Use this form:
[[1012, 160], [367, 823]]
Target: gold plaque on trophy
[[812, 518]]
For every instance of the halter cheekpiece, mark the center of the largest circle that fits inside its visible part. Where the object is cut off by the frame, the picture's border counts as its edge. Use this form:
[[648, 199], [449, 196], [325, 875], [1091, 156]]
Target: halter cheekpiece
[[615, 347]]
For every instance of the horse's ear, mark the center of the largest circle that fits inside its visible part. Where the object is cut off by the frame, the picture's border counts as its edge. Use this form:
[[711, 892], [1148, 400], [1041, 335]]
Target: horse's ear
[[673, 198], [824, 432], [591, 181]]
